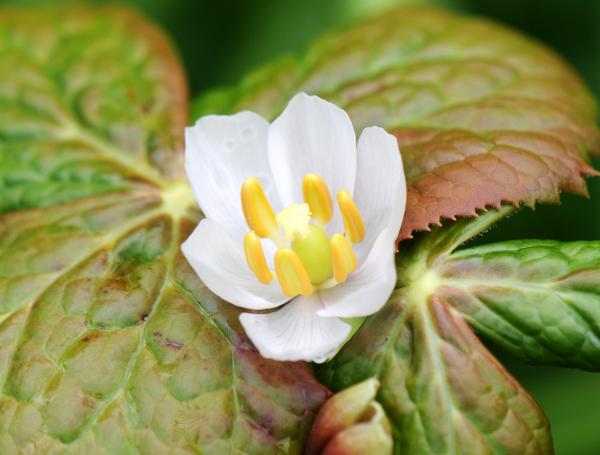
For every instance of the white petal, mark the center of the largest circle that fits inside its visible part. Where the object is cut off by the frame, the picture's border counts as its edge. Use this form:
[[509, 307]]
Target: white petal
[[312, 136], [219, 261], [296, 332], [380, 191], [220, 153], [369, 287]]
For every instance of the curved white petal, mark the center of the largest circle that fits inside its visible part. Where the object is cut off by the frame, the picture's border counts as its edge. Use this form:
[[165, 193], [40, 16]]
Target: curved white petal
[[380, 191], [369, 287], [312, 136], [220, 153], [296, 332], [219, 261]]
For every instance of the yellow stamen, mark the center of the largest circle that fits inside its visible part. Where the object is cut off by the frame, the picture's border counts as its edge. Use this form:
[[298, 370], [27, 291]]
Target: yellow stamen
[[317, 196], [291, 274], [255, 257], [342, 257], [257, 210], [353, 223]]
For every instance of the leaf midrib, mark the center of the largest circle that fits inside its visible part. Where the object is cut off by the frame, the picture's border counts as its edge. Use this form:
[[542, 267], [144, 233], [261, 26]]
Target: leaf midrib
[[110, 153], [68, 128]]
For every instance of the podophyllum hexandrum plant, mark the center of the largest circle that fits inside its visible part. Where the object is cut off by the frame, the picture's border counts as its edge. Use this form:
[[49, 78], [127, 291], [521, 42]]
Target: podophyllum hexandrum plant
[[109, 343]]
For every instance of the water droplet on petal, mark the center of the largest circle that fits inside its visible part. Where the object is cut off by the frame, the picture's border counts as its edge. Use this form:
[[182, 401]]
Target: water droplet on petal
[[229, 144], [247, 133]]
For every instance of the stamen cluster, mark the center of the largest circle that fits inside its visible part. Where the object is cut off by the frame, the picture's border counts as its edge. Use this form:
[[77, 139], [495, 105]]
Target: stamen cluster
[[307, 258]]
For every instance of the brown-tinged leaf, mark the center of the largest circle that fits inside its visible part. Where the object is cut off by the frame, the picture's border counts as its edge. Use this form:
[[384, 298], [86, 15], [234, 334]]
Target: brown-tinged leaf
[[109, 343], [440, 387], [443, 391], [483, 115]]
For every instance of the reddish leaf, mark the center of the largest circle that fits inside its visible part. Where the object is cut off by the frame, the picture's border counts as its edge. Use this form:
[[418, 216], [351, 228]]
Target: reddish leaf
[[483, 115]]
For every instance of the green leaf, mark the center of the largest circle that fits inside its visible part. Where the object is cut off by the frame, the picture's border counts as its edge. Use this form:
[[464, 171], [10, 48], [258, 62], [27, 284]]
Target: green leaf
[[109, 343], [538, 299], [84, 108], [482, 114], [483, 117], [441, 388]]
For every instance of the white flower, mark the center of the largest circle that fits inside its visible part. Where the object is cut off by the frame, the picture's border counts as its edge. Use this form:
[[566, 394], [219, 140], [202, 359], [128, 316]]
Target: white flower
[[272, 235]]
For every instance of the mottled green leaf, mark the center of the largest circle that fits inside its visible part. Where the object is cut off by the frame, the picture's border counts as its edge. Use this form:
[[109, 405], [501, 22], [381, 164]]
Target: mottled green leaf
[[442, 389], [482, 114], [84, 108], [109, 343], [538, 299]]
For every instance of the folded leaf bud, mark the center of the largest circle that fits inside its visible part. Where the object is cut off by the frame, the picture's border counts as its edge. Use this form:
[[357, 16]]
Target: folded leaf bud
[[352, 422]]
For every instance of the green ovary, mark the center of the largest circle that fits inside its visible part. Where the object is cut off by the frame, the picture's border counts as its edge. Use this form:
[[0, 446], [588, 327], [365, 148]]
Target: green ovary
[[314, 251]]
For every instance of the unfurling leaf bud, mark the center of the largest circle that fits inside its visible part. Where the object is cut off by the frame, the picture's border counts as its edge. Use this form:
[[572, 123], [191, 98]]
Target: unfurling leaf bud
[[352, 422]]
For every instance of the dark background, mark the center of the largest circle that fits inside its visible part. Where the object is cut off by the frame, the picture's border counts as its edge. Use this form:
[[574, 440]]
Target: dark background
[[219, 41]]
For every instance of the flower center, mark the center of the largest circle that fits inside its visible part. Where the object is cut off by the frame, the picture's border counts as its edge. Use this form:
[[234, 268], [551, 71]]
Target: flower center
[[307, 258], [315, 254]]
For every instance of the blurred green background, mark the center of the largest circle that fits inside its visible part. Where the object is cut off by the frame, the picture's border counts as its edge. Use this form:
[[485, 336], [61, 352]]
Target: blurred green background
[[220, 41]]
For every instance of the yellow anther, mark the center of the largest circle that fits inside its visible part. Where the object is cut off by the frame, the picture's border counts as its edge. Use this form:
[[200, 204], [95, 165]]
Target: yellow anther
[[353, 223], [255, 257], [317, 196], [291, 274], [342, 257], [257, 210]]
